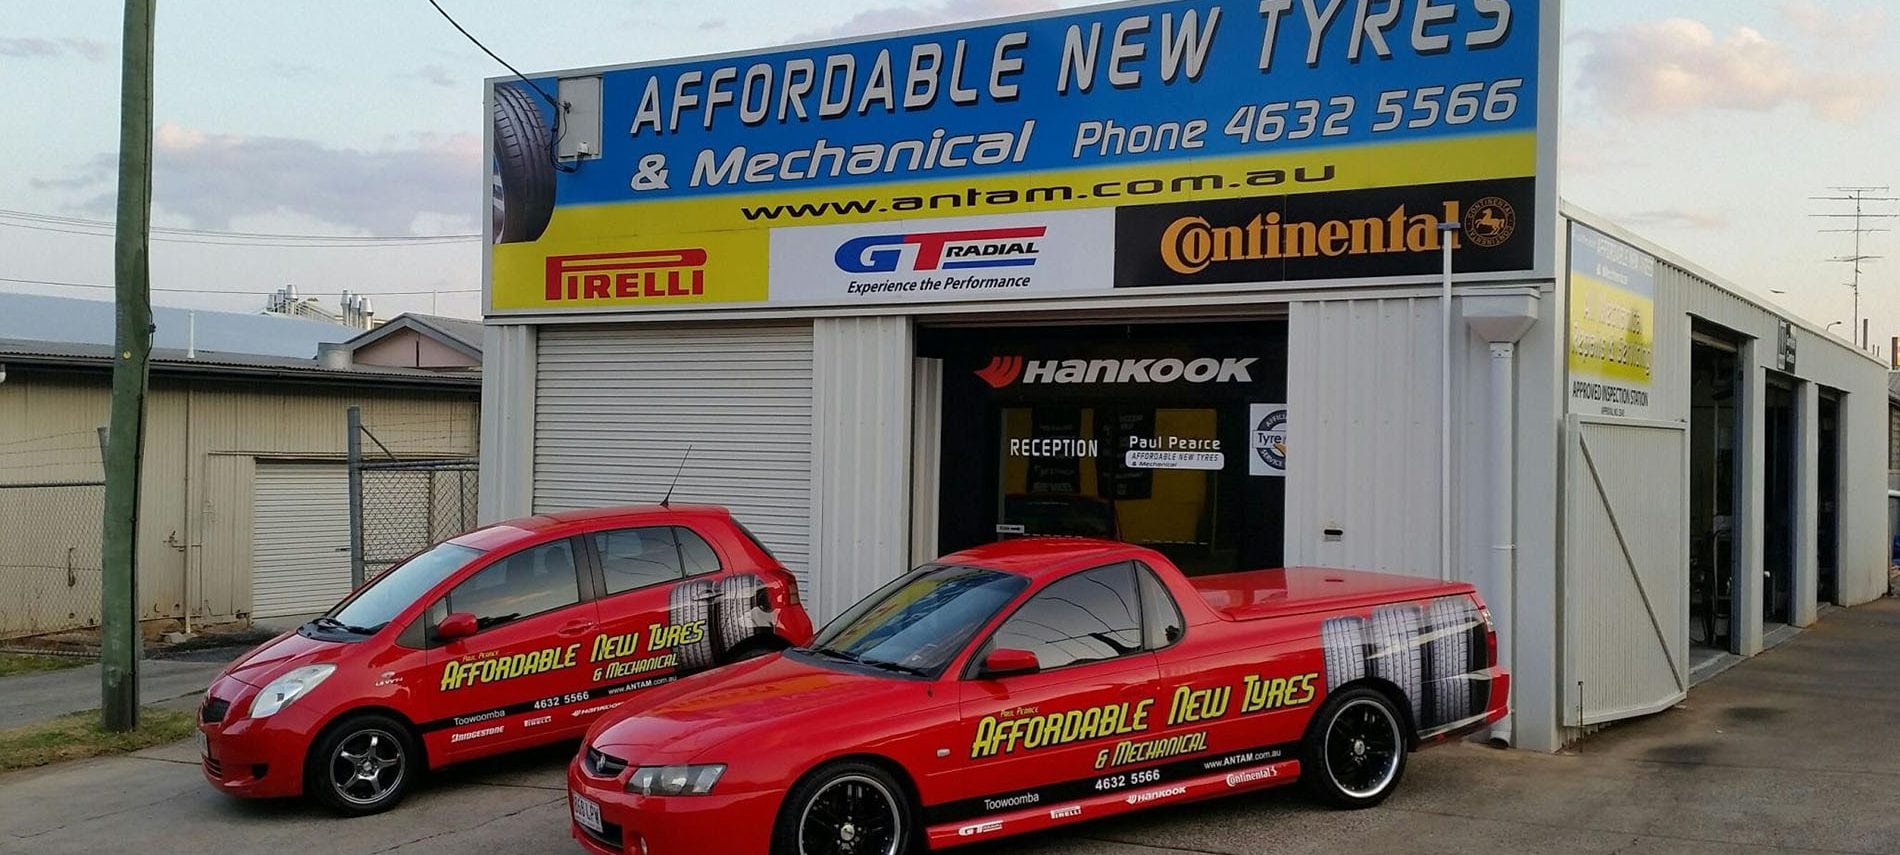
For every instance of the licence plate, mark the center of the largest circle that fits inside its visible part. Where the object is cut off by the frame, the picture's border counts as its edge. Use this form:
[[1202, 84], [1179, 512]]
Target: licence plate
[[204, 744], [587, 813]]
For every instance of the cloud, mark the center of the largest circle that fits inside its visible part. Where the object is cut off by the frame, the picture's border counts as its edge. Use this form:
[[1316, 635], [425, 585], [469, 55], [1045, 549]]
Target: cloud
[[28, 48], [1680, 66], [1677, 218], [434, 74], [889, 18], [1862, 28], [209, 179]]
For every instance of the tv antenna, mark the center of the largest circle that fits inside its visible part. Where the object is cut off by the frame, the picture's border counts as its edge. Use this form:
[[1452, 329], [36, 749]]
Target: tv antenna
[[1861, 197], [667, 502]]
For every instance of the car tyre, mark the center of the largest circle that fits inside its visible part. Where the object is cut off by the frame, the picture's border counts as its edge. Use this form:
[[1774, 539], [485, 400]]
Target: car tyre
[[362, 765], [847, 807], [1354, 753]]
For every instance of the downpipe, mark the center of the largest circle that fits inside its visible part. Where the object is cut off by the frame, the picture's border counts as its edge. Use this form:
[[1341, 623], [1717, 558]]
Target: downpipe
[[1503, 569]]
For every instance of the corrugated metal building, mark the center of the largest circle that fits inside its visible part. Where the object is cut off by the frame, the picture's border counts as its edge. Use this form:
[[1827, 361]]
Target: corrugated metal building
[[1648, 472], [244, 460]]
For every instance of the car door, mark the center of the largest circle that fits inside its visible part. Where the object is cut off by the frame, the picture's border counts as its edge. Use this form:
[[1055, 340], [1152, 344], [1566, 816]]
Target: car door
[[653, 620], [521, 677], [1047, 737]]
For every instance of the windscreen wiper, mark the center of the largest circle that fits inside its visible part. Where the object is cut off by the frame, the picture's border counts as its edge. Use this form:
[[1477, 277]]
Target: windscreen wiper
[[327, 622], [895, 666]]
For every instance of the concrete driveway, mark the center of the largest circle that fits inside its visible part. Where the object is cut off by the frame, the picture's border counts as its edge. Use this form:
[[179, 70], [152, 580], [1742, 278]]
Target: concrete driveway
[[1795, 751]]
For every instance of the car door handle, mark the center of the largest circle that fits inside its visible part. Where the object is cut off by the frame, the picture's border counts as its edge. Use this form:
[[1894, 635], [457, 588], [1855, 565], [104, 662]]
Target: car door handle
[[576, 627]]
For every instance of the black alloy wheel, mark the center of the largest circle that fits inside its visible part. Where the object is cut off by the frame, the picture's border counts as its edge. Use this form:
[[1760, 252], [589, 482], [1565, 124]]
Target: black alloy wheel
[[848, 809], [1355, 750]]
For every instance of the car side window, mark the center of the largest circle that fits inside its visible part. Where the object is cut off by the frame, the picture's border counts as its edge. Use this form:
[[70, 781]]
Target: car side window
[[696, 555], [1161, 622], [633, 558], [527, 583], [1088, 617]]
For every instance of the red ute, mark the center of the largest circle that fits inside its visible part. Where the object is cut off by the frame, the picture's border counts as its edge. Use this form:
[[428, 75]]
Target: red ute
[[1038, 682], [518, 634]]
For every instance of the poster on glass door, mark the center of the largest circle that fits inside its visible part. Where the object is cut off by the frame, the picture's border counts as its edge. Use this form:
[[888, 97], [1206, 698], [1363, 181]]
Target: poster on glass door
[[1267, 430]]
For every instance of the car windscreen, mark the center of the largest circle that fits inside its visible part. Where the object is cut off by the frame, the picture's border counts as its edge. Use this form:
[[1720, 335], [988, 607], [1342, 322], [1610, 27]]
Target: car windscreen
[[385, 598], [920, 622]]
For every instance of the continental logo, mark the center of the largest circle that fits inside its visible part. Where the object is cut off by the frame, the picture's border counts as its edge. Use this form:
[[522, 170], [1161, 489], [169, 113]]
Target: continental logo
[[649, 275], [1191, 244], [1490, 221]]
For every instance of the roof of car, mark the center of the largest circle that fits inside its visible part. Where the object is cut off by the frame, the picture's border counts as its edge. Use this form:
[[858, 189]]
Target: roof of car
[[1032, 555], [508, 531]]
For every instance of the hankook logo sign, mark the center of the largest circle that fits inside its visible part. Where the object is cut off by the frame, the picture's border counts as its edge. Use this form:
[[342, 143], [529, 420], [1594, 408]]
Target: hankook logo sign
[[1004, 371]]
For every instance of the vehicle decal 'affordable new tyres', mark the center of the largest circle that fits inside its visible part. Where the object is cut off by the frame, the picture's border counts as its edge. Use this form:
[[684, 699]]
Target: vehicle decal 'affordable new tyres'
[[1344, 639], [693, 601], [741, 598], [1394, 653], [524, 163]]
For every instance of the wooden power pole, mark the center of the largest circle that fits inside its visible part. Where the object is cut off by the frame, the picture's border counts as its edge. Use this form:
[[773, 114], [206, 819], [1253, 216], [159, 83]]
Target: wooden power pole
[[119, 641]]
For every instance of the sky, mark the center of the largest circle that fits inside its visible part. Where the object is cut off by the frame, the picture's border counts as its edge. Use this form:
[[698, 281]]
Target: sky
[[1704, 125]]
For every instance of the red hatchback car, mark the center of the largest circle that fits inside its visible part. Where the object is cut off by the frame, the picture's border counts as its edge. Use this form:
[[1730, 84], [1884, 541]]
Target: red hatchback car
[[514, 635]]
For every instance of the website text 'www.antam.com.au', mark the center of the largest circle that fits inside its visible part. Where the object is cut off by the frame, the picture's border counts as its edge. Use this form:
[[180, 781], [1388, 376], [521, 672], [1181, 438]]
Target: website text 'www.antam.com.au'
[[974, 197]]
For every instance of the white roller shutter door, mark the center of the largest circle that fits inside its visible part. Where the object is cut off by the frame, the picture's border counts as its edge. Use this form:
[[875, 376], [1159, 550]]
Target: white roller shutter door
[[616, 407], [301, 538]]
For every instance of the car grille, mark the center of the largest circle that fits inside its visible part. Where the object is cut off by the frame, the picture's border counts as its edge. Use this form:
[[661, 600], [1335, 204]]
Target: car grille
[[214, 710], [602, 765]]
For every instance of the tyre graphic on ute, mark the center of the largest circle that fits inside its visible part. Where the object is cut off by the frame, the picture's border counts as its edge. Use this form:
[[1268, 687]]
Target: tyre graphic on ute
[[1344, 640], [693, 601], [523, 167], [1394, 654], [1450, 656]]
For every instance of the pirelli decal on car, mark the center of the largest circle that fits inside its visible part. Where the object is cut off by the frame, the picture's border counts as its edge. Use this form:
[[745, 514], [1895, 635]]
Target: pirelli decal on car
[[1147, 784]]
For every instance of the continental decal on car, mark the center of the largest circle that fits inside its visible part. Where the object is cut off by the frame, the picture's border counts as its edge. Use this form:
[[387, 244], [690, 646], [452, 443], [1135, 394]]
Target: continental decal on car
[[1010, 731]]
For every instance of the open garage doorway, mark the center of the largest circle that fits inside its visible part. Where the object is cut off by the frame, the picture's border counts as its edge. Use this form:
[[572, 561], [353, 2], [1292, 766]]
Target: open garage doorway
[[1827, 522], [1715, 429], [1781, 452]]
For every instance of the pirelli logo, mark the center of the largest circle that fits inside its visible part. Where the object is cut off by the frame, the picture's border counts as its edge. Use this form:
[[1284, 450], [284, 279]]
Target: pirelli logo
[[646, 275]]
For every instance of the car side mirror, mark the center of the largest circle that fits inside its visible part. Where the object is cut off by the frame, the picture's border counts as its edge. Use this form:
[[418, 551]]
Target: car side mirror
[[1006, 661], [458, 625]]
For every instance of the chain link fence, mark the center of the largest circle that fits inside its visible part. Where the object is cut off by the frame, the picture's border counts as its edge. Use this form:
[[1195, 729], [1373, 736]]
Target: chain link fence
[[403, 507], [49, 557]]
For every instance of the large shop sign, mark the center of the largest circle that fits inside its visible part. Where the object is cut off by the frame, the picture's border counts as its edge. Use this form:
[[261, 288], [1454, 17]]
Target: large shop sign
[[1197, 142]]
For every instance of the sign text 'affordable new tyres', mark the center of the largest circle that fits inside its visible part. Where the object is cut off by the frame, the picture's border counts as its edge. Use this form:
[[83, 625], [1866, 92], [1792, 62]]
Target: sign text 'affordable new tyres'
[[848, 147]]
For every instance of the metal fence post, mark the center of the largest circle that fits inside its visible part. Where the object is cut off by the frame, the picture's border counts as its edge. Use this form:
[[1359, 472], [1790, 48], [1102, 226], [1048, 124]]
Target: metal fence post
[[356, 497]]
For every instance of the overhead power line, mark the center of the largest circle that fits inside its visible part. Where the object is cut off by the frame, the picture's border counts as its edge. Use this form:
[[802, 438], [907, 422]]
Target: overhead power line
[[492, 55], [243, 292], [100, 228]]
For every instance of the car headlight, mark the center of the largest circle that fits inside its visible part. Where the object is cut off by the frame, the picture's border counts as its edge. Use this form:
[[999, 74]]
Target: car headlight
[[675, 780], [283, 690]]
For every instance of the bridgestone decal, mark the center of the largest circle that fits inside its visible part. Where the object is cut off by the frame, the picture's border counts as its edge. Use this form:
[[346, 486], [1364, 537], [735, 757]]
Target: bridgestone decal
[[1142, 780]]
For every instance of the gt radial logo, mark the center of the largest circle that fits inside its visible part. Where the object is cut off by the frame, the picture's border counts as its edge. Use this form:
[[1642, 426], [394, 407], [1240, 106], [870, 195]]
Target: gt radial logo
[[1002, 371], [954, 250]]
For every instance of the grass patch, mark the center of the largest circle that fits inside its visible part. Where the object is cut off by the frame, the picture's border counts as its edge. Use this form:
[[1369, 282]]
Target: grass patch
[[77, 736], [27, 663]]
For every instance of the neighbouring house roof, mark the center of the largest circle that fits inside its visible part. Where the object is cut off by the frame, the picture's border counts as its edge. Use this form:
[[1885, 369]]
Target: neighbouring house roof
[[67, 320], [464, 337], [175, 362]]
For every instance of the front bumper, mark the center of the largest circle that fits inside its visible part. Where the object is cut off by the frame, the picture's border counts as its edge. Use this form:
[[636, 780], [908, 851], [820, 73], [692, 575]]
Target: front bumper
[[738, 824], [254, 758]]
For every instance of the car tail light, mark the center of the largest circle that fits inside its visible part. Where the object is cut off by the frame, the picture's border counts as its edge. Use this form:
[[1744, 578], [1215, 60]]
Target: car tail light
[[791, 592]]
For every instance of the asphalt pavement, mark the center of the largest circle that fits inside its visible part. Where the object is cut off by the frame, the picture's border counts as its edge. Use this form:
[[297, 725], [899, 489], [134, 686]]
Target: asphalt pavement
[[1797, 750], [176, 683]]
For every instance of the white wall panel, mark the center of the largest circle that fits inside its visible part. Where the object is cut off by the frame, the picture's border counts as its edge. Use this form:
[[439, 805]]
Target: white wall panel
[[861, 377]]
